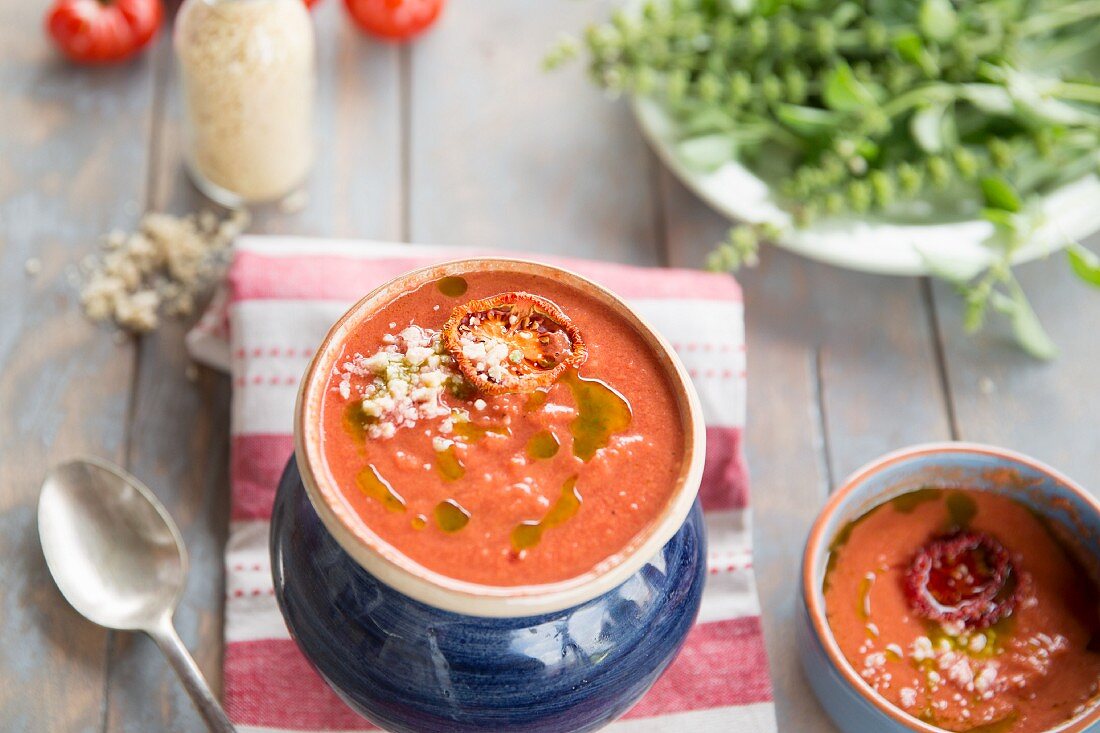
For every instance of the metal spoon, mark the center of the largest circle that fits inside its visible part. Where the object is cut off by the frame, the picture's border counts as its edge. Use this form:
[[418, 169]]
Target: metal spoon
[[118, 558]]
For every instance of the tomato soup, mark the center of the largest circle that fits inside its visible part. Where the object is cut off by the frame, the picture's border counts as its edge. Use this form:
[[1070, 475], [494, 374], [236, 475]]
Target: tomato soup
[[965, 610], [490, 442]]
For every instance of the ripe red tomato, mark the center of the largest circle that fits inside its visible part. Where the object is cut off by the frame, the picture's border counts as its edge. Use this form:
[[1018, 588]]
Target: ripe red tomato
[[394, 19], [103, 31]]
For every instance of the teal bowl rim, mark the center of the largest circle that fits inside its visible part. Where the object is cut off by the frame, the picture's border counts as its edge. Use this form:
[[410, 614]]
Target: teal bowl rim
[[816, 545]]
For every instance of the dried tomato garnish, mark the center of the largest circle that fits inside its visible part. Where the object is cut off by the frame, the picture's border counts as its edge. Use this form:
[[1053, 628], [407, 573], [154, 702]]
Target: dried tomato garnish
[[965, 577], [512, 342]]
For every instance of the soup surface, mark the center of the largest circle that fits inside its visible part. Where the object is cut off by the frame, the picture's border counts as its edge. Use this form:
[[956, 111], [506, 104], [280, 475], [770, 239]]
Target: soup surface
[[521, 488], [964, 609]]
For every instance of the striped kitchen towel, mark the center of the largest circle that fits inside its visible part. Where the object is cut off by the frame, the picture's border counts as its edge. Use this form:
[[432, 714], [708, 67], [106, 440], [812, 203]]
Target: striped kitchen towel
[[281, 297]]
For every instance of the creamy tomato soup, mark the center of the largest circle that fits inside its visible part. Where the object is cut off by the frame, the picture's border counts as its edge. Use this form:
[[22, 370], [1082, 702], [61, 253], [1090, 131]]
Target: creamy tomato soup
[[963, 609], [484, 476]]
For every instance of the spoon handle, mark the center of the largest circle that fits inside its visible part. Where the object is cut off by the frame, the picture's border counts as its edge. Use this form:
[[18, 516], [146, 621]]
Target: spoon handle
[[164, 634]]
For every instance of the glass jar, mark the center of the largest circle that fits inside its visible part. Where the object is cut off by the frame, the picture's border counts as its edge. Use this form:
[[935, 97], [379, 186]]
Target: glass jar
[[248, 77]]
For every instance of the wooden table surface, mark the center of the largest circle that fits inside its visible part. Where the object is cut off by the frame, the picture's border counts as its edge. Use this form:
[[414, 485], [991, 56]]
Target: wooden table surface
[[460, 139]]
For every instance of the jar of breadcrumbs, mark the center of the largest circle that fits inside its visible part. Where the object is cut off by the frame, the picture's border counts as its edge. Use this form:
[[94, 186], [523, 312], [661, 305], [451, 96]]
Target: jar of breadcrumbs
[[248, 76]]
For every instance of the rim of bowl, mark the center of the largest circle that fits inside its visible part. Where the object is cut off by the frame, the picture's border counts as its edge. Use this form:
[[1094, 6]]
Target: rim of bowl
[[816, 544], [398, 571], [883, 247]]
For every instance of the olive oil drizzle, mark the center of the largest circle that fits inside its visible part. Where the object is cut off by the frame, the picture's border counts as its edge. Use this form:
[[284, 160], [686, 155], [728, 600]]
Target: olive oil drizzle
[[838, 542], [452, 286], [960, 511], [356, 420], [542, 445], [471, 432], [961, 508], [863, 606], [601, 412], [910, 500], [373, 485], [528, 533], [451, 516], [537, 399], [448, 464]]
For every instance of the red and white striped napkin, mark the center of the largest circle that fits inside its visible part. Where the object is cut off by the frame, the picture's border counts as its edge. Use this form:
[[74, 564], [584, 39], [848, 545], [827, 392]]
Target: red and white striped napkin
[[282, 296]]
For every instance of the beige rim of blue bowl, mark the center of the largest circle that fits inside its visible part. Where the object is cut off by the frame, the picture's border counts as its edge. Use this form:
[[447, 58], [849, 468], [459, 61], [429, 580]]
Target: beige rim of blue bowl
[[395, 569]]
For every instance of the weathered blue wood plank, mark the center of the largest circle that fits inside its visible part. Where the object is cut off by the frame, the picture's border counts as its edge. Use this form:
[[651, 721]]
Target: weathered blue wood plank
[[504, 155], [73, 148], [1002, 396]]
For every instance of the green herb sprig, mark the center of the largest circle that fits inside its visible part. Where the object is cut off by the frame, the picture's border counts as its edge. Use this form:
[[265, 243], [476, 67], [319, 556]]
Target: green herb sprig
[[884, 108]]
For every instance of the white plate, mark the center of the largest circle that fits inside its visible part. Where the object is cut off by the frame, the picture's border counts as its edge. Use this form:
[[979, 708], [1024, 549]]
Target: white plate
[[1070, 213]]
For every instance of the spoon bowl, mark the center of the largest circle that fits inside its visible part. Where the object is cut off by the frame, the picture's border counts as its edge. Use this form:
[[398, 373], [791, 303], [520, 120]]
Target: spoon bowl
[[112, 548], [120, 561]]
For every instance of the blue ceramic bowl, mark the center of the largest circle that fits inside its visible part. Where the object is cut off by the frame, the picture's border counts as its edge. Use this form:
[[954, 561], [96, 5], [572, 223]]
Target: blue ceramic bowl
[[408, 666], [851, 703], [413, 650]]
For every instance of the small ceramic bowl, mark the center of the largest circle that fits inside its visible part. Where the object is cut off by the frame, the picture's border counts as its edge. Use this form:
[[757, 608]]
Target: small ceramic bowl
[[851, 703], [414, 651]]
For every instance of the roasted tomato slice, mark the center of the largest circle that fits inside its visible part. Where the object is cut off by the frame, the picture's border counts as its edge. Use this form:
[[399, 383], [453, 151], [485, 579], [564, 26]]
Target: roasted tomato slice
[[965, 577], [512, 342]]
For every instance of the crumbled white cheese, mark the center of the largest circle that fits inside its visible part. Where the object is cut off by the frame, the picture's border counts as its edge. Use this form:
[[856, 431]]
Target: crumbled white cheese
[[165, 263], [954, 628], [958, 669], [401, 383], [489, 355], [922, 649], [874, 660], [418, 355], [139, 311], [985, 679]]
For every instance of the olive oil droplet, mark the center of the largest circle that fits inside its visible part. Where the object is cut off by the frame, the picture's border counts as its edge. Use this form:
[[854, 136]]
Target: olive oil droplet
[[542, 444], [601, 412], [527, 534], [838, 543], [373, 485], [863, 607], [356, 420], [907, 502], [452, 286], [450, 516], [536, 399], [471, 432], [448, 465], [419, 521], [961, 508]]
